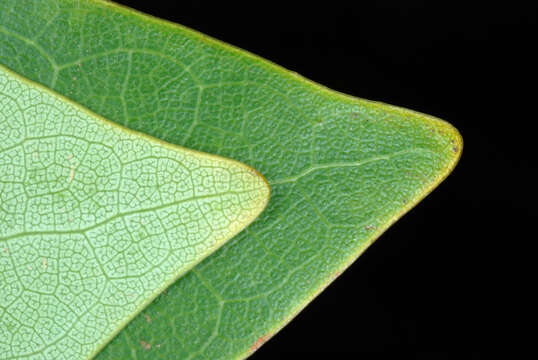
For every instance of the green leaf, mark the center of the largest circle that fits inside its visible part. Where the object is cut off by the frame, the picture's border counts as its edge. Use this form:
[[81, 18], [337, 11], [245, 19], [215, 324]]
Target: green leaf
[[342, 169], [96, 220]]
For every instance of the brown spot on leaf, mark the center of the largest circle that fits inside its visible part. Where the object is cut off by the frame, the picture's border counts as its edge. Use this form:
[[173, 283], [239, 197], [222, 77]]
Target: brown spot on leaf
[[145, 345], [336, 274], [455, 149], [259, 343], [369, 227], [148, 319]]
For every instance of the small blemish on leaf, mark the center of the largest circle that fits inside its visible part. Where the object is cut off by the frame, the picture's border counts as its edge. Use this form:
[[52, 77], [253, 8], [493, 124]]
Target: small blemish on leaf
[[259, 343], [148, 319], [455, 149], [44, 263], [145, 345], [369, 227], [336, 274]]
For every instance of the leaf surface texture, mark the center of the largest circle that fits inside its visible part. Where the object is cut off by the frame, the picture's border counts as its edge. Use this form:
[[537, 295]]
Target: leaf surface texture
[[341, 169], [96, 220]]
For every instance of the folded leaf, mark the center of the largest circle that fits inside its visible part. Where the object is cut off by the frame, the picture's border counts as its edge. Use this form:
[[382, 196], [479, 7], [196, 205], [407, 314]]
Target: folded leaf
[[96, 220], [342, 169]]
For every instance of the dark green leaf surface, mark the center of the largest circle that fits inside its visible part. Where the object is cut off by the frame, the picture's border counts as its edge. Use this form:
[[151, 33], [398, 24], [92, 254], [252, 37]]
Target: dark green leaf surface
[[341, 169]]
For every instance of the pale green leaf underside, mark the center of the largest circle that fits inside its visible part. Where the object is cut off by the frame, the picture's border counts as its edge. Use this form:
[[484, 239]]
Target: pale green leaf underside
[[96, 220], [342, 169]]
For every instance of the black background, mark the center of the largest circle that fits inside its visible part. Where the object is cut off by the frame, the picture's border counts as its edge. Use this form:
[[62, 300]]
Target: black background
[[436, 281]]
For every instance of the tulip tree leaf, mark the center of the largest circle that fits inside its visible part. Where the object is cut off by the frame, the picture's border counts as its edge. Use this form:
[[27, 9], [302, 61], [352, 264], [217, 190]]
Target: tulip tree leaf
[[342, 169], [96, 220]]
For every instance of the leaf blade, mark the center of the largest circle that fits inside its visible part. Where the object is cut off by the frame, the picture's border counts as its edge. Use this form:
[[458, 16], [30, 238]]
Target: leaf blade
[[313, 127], [96, 220]]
